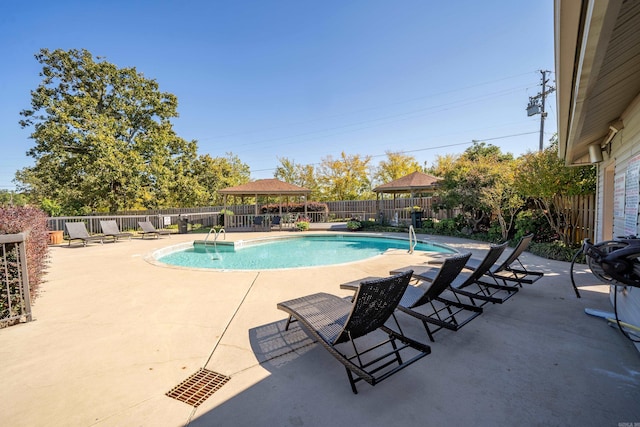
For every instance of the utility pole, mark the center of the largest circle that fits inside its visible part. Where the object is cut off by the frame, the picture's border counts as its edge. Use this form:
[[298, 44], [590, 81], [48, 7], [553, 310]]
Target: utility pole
[[537, 104]]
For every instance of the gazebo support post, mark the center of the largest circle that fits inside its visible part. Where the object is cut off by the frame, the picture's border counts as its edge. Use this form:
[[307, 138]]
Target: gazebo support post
[[224, 215], [256, 207]]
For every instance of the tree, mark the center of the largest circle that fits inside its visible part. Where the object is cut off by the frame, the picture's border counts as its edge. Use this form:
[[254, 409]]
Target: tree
[[443, 164], [287, 171], [345, 178], [396, 166], [11, 198], [543, 177], [480, 151], [103, 137], [480, 183], [297, 174], [216, 173], [502, 197]]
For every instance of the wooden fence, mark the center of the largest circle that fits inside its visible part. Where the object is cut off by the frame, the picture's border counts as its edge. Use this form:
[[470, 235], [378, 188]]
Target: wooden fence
[[579, 216], [398, 210]]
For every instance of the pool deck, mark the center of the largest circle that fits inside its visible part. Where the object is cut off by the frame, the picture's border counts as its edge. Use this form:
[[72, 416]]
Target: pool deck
[[113, 334]]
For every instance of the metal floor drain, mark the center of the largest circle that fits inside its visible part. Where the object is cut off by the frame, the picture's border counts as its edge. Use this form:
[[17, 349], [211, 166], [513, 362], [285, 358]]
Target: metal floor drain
[[198, 387]]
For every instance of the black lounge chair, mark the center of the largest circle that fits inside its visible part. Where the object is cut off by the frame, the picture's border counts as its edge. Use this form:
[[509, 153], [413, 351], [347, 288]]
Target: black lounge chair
[[149, 230], [427, 304], [110, 228], [78, 231], [335, 321], [469, 283], [504, 271]]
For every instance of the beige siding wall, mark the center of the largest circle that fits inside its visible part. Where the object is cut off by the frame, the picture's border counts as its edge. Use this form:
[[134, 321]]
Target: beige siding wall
[[625, 146]]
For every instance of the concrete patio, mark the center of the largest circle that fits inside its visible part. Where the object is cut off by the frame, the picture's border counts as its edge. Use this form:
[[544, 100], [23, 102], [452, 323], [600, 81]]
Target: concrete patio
[[114, 333]]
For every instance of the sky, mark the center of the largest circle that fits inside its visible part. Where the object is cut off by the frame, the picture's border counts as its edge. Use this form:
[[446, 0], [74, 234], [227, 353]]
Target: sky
[[303, 80]]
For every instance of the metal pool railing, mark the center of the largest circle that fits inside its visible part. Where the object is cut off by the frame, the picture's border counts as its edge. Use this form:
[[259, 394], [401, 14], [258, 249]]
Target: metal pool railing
[[413, 240]]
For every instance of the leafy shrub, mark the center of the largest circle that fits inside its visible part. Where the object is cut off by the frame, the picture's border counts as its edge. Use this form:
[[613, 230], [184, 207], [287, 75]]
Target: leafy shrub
[[381, 227], [51, 207], [428, 223], [32, 222], [354, 225], [532, 221], [448, 225], [556, 250], [302, 224], [494, 232]]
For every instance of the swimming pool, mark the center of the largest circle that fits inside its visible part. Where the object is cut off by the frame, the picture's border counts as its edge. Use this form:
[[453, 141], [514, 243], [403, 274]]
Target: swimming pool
[[287, 252]]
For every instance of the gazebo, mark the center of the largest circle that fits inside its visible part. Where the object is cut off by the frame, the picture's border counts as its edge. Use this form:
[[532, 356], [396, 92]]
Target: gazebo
[[266, 187], [412, 184]]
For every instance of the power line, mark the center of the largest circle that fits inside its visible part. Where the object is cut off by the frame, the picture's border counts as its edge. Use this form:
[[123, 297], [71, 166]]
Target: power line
[[379, 121], [456, 144], [331, 116]]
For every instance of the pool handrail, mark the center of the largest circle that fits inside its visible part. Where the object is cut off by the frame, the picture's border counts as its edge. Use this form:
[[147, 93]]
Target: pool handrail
[[413, 240]]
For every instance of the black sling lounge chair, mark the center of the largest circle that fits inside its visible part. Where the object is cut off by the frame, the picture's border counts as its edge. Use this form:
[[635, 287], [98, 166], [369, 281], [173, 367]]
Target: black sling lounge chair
[[473, 284], [427, 304], [149, 230], [335, 321], [110, 228], [506, 271], [78, 231]]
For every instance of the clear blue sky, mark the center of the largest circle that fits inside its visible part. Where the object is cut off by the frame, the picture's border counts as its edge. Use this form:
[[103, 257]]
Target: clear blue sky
[[267, 79]]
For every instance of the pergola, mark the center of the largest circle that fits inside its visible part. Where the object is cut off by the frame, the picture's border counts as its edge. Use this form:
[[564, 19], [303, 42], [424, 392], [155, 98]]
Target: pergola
[[266, 187]]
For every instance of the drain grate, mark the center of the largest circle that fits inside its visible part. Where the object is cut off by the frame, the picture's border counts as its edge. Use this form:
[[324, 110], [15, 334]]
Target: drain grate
[[198, 387]]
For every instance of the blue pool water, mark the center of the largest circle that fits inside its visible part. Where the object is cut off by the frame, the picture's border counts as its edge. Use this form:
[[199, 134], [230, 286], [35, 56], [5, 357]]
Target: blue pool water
[[291, 252]]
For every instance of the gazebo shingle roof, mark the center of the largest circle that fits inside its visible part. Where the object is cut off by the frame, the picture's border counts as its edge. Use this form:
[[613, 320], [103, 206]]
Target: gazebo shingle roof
[[414, 182]]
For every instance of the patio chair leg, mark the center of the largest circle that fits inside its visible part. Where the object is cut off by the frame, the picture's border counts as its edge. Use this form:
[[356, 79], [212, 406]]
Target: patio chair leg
[[426, 326], [289, 321], [392, 339], [352, 381]]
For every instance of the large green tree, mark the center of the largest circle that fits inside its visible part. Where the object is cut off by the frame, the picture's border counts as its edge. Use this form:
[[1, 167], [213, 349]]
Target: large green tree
[[103, 137], [297, 174], [346, 178], [443, 164], [480, 183], [216, 173], [396, 166]]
